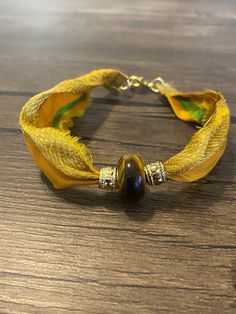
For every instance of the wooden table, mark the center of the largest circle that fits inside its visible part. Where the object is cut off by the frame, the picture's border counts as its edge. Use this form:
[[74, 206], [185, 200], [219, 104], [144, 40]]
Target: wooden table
[[81, 250]]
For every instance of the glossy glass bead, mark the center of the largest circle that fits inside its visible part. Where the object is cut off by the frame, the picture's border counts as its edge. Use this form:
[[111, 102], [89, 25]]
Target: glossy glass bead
[[131, 177]]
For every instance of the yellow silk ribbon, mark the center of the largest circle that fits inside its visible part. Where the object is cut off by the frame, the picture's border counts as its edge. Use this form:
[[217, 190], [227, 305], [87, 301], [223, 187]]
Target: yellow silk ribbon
[[46, 120]]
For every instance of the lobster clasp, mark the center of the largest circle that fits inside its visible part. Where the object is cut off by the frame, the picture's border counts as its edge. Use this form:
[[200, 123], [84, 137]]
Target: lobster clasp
[[139, 83], [122, 83]]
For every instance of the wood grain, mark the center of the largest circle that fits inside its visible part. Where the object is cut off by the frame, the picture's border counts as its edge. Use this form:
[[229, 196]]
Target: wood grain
[[81, 250]]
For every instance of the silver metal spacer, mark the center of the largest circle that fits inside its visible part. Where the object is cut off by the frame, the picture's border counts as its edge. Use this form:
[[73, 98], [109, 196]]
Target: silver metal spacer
[[108, 178], [155, 173]]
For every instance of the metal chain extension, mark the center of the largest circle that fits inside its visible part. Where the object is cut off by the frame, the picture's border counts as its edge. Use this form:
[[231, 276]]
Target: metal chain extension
[[137, 82]]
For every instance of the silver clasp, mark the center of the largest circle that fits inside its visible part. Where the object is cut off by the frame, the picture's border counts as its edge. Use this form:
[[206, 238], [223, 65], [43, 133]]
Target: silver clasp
[[138, 82]]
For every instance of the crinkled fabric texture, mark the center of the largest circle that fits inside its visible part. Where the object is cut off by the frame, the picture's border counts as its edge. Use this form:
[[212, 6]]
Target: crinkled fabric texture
[[47, 117]]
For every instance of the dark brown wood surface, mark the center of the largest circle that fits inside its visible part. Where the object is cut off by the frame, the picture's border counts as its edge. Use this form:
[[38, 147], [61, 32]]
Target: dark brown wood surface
[[82, 250]]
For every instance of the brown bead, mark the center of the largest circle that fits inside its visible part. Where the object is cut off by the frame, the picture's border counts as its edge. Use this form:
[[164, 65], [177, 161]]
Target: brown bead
[[131, 177]]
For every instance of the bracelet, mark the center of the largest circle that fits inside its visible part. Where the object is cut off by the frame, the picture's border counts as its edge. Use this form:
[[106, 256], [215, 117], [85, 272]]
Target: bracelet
[[47, 117]]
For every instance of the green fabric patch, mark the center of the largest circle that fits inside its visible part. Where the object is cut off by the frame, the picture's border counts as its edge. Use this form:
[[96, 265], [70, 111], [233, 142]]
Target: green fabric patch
[[192, 108], [64, 109]]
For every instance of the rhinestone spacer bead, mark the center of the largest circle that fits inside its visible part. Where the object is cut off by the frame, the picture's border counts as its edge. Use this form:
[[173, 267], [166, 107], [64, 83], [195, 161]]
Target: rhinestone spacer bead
[[108, 179], [155, 173]]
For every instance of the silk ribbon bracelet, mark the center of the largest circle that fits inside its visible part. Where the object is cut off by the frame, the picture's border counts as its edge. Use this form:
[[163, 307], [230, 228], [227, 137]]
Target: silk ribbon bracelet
[[47, 118]]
